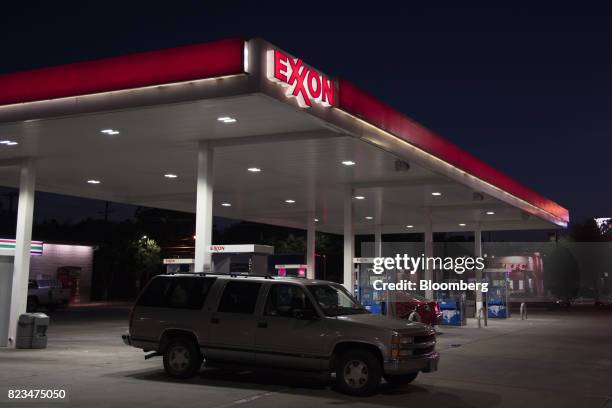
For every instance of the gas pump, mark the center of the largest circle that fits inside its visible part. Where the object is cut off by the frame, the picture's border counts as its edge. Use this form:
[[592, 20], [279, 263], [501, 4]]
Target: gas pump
[[367, 296], [251, 259], [497, 294], [291, 270], [248, 259], [179, 265]]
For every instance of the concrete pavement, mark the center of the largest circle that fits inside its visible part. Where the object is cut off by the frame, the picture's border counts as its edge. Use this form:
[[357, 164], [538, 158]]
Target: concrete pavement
[[560, 359]]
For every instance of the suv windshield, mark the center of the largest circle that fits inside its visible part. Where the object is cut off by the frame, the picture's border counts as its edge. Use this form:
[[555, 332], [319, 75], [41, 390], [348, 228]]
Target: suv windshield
[[335, 300]]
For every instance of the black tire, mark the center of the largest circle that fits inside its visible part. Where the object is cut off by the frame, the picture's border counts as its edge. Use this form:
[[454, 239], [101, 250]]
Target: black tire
[[182, 358], [32, 304], [358, 373], [402, 379]]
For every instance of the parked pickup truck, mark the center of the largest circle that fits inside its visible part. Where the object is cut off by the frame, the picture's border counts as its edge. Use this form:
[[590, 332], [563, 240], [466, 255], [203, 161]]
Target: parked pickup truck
[[287, 323], [47, 293]]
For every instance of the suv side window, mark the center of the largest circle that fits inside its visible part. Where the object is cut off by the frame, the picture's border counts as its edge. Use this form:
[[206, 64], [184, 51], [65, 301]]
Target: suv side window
[[239, 297], [179, 293], [154, 294], [284, 299], [189, 293]]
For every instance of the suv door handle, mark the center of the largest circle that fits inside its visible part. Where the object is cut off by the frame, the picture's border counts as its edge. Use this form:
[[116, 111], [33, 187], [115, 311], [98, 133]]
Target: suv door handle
[[262, 325], [214, 320]]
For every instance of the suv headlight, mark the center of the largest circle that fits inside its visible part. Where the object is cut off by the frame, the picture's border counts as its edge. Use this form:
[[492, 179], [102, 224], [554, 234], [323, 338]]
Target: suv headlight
[[401, 346], [400, 340]]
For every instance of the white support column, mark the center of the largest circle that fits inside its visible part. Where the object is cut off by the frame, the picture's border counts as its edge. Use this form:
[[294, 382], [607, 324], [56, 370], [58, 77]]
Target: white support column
[[23, 237], [478, 253], [349, 249], [378, 226], [204, 207], [311, 246], [428, 249], [378, 240]]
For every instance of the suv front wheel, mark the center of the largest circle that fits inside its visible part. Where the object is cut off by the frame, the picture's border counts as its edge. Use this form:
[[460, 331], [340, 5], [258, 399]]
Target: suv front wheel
[[182, 359], [358, 373]]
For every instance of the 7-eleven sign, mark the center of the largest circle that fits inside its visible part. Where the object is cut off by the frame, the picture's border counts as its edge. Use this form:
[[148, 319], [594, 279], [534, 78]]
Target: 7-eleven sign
[[7, 247]]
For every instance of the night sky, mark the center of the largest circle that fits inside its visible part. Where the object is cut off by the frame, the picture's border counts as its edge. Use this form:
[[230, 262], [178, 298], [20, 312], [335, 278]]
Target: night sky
[[525, 89]]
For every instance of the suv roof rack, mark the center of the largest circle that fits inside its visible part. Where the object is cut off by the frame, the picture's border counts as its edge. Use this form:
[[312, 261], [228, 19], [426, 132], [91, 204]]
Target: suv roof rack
[[231, 274], [248, 275]]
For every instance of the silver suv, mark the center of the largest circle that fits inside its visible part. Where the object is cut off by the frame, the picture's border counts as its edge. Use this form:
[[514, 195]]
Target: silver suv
[[276, 322]]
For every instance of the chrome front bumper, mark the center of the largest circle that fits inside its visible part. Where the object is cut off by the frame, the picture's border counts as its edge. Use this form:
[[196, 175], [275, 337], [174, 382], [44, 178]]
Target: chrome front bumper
[[426, 363]]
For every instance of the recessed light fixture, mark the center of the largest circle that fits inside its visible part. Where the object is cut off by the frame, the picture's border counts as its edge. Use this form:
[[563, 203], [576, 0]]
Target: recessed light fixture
[[8, 143], [110, 131], [348, 163], [92, 181], [226, 119], [490, 212], [409, 226], [226, 204], [369, 218], [436, 193], [316, 220], [359, 198], [290, 201], [462, 224], [170, 176], [254, 169]]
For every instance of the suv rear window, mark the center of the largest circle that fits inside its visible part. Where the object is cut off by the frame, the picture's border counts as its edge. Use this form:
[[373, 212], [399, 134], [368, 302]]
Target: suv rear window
[[239, 297], [178, 292]]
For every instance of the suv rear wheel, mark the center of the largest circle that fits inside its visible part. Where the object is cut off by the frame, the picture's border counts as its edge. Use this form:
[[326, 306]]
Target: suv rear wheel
[[399, 380], [358, 373], [182, 358]]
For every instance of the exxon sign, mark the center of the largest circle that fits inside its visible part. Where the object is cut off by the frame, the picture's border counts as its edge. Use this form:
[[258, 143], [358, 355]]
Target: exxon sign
[[303, 83]]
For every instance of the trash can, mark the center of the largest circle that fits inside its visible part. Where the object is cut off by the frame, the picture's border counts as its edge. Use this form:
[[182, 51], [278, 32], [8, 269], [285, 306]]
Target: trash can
[[32, 331]]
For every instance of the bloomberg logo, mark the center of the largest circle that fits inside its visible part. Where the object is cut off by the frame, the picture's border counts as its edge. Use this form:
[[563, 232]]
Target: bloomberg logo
[[303, 83]]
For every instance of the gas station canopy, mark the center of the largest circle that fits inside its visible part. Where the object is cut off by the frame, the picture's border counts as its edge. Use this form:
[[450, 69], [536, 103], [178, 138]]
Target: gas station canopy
[[128, 129]]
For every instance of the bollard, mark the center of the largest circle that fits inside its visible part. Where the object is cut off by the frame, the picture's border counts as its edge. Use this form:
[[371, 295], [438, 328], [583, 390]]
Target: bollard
[[481, 314], [523, 311]]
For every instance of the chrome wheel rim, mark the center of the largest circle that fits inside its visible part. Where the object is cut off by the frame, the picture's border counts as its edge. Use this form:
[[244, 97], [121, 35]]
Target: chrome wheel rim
[[179, 358], [355, 373]]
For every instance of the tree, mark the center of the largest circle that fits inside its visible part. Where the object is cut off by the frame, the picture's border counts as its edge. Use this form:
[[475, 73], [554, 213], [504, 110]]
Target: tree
[[290, 245], [147, 260], [562, 273], [586, 231]]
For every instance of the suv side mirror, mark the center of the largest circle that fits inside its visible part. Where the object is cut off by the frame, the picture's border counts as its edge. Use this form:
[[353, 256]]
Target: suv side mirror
[[305, 314]]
